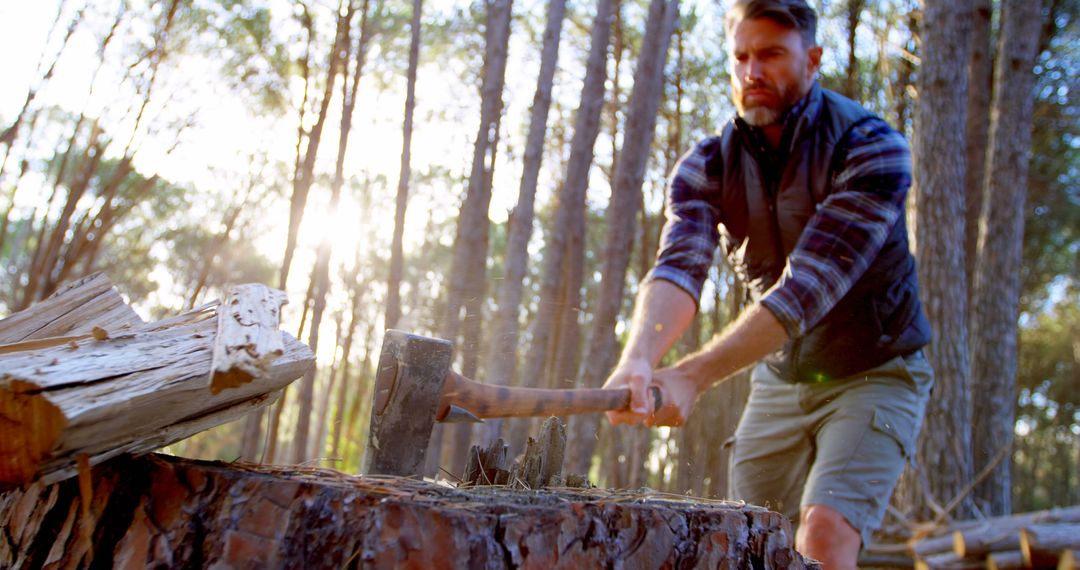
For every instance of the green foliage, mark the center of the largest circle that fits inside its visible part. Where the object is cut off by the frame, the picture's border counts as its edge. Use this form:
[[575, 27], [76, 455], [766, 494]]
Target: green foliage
[[250, 45], [1052, 217]]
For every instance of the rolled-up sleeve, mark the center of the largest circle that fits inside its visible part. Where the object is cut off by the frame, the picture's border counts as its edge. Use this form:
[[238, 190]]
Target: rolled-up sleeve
[[690, 234], [846, 233]]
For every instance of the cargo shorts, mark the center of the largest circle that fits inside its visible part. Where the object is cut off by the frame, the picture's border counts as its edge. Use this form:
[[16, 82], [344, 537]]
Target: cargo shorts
[[841, 443]]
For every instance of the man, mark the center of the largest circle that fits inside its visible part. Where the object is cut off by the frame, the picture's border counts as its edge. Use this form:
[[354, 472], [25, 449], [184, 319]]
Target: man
[[804, 191]]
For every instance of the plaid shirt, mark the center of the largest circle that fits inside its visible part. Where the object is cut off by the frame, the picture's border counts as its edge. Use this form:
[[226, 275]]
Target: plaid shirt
[[837, 245]]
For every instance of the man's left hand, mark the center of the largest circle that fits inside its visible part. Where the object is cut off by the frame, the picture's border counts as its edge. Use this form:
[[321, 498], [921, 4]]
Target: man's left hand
[[679, 392]]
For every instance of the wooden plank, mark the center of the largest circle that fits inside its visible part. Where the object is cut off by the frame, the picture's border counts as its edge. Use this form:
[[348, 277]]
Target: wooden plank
[[248, 339]]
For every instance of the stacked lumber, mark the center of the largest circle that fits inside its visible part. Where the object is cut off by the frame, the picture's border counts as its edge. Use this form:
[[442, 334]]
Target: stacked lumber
[[157, 511], [1046, 539], [83, 379]]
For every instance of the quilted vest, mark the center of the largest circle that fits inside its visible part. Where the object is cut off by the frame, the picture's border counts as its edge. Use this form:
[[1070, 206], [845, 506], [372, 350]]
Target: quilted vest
[[763, 212]]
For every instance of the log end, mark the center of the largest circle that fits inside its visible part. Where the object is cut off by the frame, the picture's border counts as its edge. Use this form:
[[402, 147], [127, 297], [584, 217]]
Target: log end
[[30, 426]]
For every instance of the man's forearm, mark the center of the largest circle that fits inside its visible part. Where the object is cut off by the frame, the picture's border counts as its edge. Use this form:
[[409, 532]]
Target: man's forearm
[[661, 313], [749, 339]]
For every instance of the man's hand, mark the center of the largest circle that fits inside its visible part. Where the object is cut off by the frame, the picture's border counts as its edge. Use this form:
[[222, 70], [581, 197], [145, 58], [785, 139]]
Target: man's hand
[[634, 374], [679, 392]]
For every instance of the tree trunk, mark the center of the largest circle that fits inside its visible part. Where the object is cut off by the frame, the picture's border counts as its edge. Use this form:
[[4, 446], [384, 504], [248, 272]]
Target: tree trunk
[[570, 215], [467, 281], [854, 14], [945, 445], [504, 336], [997, 277], [977, 129], [305, 173], [168, 511], [358, 294], [622, 216], [321, 274], [397, 254]]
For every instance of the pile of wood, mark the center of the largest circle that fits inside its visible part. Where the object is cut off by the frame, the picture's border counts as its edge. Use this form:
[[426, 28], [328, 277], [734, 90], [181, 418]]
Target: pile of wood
[[1047, 539], [161, 511], [83, 379]]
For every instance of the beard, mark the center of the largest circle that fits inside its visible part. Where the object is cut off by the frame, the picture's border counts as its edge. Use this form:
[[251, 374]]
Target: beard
[[764, 114]]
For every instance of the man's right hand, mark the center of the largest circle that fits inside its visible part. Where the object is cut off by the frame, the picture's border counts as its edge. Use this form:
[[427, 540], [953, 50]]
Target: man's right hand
[[635, 374]]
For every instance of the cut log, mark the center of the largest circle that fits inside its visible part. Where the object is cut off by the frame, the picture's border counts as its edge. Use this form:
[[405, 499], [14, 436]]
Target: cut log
[[160, 511], [73, 311], [1005, 560], [248, 339], [948, 561], [1042, 545], [1068, 560], [975, 532], [141, 387]]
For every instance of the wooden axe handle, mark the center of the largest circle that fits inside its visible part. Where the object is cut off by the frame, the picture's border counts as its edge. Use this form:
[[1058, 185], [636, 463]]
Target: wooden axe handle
[[487, 401]]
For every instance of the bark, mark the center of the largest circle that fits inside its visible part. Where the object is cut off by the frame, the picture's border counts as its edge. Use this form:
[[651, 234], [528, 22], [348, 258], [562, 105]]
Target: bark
[[997, 278], [68, 398], [466, 283], [168, 511], [502, 363], [397, 255], [622, 214], [945, 444], [305, 173], [854, 14], [977, 129]]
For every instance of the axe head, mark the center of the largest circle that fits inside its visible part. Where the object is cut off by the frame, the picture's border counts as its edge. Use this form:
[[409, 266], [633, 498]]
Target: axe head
[[408, 385]]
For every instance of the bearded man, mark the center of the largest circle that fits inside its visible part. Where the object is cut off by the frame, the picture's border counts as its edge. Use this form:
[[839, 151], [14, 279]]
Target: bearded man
[[804, 191]]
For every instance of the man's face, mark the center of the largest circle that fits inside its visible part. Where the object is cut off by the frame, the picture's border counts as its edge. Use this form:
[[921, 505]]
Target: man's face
[[771, 69]]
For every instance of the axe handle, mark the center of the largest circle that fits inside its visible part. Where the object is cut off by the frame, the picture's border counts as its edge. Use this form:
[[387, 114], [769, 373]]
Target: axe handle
[[487, 401]]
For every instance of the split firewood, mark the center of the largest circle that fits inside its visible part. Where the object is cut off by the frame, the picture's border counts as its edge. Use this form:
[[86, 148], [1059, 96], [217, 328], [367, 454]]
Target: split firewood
[[73, 311], [141, 388], [248, 339]]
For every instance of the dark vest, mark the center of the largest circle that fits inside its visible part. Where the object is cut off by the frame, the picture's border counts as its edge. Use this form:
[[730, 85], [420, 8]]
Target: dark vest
[[763, 215]]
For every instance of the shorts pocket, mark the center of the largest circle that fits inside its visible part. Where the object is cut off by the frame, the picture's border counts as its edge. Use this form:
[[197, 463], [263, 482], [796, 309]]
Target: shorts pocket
[[899, 429]]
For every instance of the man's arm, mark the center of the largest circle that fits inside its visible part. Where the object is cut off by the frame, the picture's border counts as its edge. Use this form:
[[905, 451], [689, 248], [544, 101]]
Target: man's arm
[[754, 335], [837, 245], [667, 301], [661, 314]]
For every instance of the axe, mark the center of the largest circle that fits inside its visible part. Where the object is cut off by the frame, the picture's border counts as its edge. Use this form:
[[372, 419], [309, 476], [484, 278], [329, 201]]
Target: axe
[[415, 387]]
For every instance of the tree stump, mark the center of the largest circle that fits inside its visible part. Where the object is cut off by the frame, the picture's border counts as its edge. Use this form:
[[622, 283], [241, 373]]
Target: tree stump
[[157, 510]]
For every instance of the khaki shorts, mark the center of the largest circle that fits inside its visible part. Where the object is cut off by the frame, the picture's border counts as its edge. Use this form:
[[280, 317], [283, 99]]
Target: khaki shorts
[[841, 443]]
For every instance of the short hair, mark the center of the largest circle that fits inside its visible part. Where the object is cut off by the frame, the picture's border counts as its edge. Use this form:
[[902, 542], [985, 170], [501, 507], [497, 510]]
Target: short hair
[[796, 14]]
